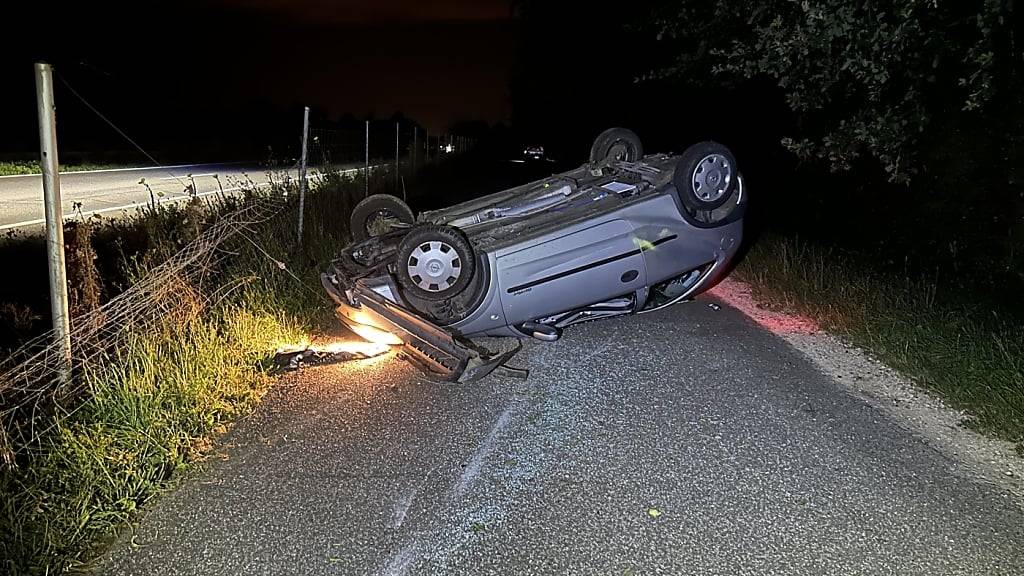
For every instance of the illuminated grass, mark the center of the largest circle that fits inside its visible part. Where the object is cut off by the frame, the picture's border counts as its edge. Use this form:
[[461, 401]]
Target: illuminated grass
[[19, 168], [968, 352], [158, 403], [153, 408]]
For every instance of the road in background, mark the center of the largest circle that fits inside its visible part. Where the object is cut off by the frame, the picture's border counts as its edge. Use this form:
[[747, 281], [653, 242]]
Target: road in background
[[685, 441], [119, 190]]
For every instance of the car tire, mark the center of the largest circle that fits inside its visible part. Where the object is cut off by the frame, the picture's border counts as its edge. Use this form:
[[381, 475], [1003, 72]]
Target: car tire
[[706, 176], [368, 214], [434, 262], [616, 144]]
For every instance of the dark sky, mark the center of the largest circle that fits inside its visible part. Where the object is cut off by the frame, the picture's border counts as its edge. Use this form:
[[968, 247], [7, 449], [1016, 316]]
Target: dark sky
[[334, 11], [437, 62]]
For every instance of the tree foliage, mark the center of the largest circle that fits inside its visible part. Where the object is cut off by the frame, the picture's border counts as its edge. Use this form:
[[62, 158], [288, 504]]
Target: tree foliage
[[864, 78]]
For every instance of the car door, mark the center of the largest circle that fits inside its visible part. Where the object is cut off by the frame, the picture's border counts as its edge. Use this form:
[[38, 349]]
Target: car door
[[570, 271]]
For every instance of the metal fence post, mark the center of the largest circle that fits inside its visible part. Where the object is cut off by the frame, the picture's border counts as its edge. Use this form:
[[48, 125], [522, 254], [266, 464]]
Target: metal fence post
[[54, 213], [302, 169], [366, 168]]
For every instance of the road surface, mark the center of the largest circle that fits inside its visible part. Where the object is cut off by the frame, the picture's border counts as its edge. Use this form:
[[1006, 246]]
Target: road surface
[[111, 192], [686, 441]]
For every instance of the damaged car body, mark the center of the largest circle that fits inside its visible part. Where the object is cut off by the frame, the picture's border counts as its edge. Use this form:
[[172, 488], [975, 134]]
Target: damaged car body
[[622, 234]]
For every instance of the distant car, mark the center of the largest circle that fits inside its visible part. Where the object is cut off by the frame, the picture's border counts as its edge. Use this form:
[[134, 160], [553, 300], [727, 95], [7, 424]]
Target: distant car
[[533, 153], [622, 234]]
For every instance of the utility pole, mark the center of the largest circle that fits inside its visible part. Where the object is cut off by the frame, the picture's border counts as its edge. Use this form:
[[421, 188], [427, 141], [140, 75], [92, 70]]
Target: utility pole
[[426, 147], [54, 214], [366, 168], [302, 169], [415, 152], [397, 165]]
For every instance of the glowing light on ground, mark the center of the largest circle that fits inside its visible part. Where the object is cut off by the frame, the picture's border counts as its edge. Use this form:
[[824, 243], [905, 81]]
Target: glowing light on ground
[[358, 347], [294, 356], [368, 349], [737, 295]]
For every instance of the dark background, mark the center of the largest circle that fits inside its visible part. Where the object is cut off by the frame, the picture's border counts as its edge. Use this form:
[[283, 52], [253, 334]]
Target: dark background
[[214, 81], [226, 80]]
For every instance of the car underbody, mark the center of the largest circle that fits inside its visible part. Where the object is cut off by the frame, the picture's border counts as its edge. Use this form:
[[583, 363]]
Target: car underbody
[[617, 235]]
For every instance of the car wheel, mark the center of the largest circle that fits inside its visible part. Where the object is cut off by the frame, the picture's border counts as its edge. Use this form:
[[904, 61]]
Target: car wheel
[[616, 144], [378, 214], [706, 176], [435, 262]]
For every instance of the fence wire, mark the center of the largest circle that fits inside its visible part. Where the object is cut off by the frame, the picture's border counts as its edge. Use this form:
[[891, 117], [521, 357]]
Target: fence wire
[[401, 146], [37, 386]]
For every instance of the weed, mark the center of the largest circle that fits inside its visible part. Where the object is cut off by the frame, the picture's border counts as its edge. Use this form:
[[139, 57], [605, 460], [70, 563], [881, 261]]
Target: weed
[[84, 287]]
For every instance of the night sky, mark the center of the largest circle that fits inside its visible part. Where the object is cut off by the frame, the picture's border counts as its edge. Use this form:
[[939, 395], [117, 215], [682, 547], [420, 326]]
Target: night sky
[[437, 62], [181, 66], [226, 79]]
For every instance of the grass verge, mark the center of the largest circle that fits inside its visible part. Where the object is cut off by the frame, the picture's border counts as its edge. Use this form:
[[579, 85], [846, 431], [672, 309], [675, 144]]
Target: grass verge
[[19, 168], [153, 404], [968, 352]]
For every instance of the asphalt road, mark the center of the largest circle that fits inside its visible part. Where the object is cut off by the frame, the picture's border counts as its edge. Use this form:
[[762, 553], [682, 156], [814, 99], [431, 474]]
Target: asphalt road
[[111, 192], [687, 441]]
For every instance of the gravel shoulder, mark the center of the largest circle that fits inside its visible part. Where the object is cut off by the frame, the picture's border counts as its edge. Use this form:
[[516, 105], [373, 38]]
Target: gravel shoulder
[[917, 411]]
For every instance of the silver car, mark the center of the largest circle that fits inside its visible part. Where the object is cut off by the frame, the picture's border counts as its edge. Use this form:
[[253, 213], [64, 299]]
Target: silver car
[[625, 233]]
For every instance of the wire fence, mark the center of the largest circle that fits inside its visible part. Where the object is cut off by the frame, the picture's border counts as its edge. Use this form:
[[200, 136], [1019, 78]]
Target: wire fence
[[38, 387], [36, 380], [401, 144], [402, 148]]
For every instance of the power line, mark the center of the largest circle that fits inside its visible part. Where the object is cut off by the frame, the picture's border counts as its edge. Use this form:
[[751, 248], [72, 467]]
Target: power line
[[116, 129]]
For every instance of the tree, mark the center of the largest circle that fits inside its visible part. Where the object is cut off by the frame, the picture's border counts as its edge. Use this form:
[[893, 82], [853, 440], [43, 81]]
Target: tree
[[864, 78]]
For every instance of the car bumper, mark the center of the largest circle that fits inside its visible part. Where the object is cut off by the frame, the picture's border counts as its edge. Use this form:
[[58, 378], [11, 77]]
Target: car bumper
[[430, 347]]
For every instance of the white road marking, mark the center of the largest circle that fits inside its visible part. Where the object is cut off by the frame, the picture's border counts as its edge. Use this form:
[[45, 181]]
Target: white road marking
[[401, 562], [193, 175], [124, 207], [402, 508], [127, 169], [472, 469], [20, 224], [309, 176]]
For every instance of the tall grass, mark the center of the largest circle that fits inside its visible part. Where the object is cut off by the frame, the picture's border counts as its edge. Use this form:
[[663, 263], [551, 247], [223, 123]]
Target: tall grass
[[969, 352], [153, 405]]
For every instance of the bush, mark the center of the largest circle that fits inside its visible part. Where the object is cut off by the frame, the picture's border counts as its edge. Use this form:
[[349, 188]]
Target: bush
[[863, 78]]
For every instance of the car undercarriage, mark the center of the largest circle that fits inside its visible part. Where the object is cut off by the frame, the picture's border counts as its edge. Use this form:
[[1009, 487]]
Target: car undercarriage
[[622, 234]]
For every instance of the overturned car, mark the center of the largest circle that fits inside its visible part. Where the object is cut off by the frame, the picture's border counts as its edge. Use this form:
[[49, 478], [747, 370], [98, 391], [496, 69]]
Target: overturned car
[[625, 233]]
